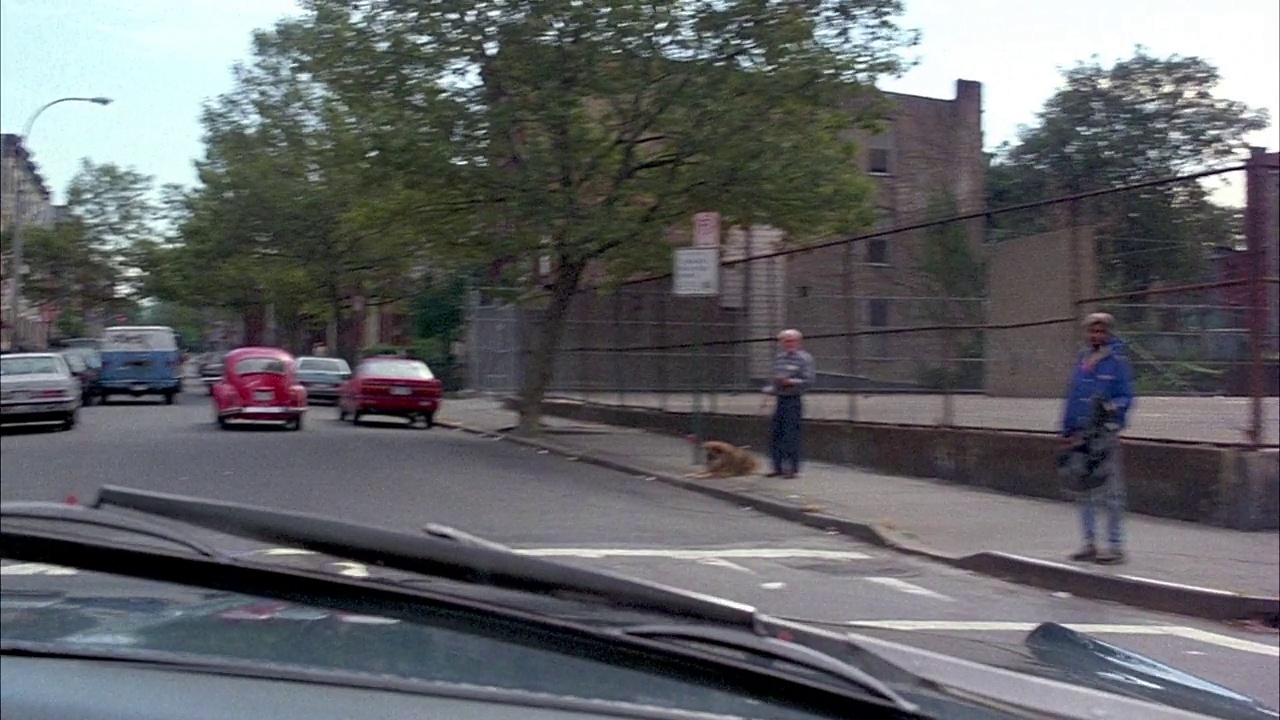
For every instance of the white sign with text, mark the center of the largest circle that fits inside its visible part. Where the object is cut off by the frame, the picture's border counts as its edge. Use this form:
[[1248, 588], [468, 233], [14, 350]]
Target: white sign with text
[[697, 272]]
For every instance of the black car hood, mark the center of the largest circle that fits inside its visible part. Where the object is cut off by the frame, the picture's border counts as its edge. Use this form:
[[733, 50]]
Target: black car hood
[[1051, 651]]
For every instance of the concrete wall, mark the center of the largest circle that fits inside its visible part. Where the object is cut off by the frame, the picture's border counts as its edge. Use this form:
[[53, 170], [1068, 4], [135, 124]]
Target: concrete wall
[[1199, 483], [1036, 278]]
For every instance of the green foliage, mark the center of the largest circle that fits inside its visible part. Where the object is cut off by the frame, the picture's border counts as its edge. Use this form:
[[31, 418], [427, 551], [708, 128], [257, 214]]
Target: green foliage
[[438, 309], [1141, 119]]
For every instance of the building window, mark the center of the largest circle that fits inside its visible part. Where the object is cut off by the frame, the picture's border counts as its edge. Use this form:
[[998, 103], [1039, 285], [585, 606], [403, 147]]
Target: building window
[[878, 318], [878, 161], [880, 153], [878, 251]]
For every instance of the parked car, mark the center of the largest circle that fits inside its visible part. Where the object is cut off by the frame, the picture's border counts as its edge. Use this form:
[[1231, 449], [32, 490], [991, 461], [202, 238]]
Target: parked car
[[141, 360], [260, 384], [393, 386], [322, 376], [211, 370], [38, 387], [86, 365]]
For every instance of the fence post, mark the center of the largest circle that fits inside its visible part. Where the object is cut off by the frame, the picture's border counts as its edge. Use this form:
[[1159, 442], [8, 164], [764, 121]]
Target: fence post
[[850, 327], [618, 353], [1255, 231]]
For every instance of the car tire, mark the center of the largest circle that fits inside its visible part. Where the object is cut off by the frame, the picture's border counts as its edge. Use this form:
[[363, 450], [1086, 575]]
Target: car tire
[[293, 424], [343, 415], [429, 421], [168, 398], [356, 417], [70, 421]]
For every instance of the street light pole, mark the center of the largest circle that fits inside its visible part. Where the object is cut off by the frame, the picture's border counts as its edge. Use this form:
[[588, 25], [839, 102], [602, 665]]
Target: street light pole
[[15, 276]]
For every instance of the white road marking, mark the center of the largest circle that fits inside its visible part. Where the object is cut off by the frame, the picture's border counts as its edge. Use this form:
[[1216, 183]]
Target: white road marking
[[719, 562], [909, 588], [1188, 633], [674, 554], [35, 569]]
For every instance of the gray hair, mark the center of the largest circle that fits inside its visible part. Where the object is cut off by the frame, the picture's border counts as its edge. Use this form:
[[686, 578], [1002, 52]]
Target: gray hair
[[1105, 319], [790, 334]]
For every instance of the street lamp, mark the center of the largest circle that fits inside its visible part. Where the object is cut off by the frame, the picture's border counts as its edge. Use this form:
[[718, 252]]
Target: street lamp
[[15, 297]]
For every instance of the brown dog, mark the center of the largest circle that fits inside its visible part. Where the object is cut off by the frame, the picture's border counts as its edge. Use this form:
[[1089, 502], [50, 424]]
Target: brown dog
[[725, 461]]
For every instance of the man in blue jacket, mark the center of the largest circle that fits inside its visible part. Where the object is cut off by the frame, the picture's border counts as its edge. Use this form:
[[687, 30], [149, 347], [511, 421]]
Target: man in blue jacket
[[1096, 411]]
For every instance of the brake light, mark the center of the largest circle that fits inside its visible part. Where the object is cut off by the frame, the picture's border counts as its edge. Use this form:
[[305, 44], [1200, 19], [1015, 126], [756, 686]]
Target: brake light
[[51, 393]]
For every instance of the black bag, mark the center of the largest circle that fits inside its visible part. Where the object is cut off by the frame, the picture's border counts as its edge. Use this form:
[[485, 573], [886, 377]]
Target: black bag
[[1085, 466]]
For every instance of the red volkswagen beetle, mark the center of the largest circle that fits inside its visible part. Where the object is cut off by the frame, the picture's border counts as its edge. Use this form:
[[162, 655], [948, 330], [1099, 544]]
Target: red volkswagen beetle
[[391, 385], [259, 383]]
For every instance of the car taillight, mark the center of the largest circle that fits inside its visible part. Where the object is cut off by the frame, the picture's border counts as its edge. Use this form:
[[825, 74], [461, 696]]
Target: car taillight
[[51, 393]]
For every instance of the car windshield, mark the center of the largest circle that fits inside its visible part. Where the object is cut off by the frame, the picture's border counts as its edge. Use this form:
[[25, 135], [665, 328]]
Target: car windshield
[[397, 369], [322, 365], [11, 366], [249, 365], [85, 355]]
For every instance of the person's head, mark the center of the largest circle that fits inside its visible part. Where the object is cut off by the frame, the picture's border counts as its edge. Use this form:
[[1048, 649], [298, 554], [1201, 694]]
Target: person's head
[[1098, 328], [790, 339]]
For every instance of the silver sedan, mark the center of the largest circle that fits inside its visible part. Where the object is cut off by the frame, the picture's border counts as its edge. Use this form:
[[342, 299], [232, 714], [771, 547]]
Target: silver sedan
[[38, 387]]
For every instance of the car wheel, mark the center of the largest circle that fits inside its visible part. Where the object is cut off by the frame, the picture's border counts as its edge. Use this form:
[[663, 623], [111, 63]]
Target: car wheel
[[343, 415], [356, 417], [168, 398], [70, 421], [429, 420], [293, 424]]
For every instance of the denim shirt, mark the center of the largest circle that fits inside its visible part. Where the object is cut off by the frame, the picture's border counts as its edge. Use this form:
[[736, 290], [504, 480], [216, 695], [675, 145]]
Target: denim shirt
[[797, 366]]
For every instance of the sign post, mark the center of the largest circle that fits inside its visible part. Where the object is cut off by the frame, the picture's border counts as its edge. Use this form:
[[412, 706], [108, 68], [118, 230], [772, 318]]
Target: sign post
[[697, 274]]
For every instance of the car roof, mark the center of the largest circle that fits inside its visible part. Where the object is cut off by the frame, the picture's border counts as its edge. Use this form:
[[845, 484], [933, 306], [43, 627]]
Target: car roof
[[258, 351]]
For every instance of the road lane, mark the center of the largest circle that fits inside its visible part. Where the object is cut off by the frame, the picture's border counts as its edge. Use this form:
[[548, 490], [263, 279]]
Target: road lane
[[552, 507]]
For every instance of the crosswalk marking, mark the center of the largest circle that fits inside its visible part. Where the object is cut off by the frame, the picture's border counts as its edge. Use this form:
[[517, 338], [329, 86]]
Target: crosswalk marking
[[1187, 633], [906, 587]]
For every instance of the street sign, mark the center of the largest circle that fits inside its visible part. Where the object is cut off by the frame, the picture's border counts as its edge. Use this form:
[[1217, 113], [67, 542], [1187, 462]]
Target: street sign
[[697, 272], [706, 230]]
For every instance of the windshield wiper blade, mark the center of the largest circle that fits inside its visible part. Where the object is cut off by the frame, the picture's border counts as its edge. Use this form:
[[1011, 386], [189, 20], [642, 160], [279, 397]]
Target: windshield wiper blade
[[62, 512], [777, 649], [430, 555]]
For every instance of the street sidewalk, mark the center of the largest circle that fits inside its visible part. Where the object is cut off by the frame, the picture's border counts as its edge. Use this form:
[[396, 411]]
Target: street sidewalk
[[1173, 566]]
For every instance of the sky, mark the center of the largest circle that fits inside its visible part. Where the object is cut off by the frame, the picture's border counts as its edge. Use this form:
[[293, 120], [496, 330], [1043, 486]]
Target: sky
[[158, 60]]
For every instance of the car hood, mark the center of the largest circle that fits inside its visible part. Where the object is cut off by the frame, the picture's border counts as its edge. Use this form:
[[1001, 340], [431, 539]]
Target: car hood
[[251, 628]]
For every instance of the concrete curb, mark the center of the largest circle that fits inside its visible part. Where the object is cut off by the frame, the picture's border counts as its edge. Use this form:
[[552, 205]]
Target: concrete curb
[[1145, 593]]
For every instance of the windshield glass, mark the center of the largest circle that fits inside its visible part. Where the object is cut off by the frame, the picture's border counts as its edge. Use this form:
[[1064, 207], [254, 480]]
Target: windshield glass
[[398, 369], [67, 608], [42, 365], [260, 365], [130, 339], [322, 365], [86, 355]]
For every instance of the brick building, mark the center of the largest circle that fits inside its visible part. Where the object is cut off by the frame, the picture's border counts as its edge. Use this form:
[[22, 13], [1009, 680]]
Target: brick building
[[18, 173], [930, 148]]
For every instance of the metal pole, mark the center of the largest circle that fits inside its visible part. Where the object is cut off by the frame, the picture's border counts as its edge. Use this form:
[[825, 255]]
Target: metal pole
[[15, 292], [850, 328], [700, 378], [1255, 236]]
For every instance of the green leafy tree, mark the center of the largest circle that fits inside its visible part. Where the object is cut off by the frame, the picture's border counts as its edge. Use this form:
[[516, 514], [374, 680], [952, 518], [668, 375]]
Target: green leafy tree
[[587, 131], [1141, 119]]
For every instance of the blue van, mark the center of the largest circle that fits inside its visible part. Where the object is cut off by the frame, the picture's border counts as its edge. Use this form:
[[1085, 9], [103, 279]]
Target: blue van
[[140, 360]]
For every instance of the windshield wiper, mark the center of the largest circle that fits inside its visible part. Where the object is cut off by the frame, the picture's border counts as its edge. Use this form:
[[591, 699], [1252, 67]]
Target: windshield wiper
[[78, 514], [775, 649], [457, 558]]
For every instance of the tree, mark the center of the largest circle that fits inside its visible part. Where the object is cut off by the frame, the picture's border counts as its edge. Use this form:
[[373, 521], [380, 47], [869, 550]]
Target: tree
[[267, 224], [587, 131], [1141, 119], [85, 261]]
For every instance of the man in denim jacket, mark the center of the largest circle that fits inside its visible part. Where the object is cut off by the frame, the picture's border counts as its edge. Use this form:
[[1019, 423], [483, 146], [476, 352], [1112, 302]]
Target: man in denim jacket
[[793, 376], [1097, 407]]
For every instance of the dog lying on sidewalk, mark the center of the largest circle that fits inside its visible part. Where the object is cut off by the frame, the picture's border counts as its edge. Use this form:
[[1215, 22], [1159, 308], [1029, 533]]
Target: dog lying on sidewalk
[[726, 461]]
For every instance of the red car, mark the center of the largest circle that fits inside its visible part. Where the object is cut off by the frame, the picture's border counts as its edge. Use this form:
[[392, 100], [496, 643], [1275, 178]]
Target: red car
[[389, 385], [259, 383]]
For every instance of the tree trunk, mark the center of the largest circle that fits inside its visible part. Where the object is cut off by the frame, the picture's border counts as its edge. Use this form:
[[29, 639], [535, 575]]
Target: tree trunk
[[542, 365]]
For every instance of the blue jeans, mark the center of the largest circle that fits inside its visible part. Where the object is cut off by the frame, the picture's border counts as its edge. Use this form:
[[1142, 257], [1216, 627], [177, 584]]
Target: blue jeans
[[1110, 496], [785, 442]]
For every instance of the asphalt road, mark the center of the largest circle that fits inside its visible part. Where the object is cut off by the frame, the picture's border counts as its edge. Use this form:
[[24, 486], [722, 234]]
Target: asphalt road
[[402, 478]]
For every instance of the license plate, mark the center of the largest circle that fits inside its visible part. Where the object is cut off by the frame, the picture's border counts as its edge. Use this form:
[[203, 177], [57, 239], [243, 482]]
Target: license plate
[[264, 395], [400, 391], [139, 388]]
